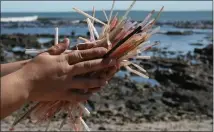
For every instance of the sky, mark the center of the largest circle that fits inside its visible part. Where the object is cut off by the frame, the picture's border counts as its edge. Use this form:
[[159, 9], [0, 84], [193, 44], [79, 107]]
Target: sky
[[64, 6]]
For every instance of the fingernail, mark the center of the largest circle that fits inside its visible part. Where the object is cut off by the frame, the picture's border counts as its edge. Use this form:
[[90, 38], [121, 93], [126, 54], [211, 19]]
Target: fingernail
[[109, 61]]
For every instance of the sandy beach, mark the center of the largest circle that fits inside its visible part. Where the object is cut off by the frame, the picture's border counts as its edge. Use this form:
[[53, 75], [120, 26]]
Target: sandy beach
[[184, 125]]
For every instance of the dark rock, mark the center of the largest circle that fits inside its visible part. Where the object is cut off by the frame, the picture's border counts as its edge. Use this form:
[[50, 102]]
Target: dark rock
[[208, 50], [88, 34], [196, 44], [170, 102], [101, 128], [133, 105], [179, 33], [206, 53], [72, 33], [130, 85], [193, 24]]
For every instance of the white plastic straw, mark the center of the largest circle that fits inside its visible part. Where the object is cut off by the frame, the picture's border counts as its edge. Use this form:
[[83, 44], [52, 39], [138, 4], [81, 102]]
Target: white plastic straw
[[89, 16], [110, 15], [136, 72], [56, 36], [105, 15], [143, 57], [84, 124], [85, 110]]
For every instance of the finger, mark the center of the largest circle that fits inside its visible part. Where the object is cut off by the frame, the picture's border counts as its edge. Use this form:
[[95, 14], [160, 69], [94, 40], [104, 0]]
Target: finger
[[73, 96], [91, 90], [83, 55], [88, 46], [111, 76], [111, 73], [83, 46], [83, 83], [59, 48], [94, 90], [92, 65], [108, 73]]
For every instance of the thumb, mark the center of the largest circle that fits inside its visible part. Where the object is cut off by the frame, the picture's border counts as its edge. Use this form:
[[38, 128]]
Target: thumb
[[59, 48]]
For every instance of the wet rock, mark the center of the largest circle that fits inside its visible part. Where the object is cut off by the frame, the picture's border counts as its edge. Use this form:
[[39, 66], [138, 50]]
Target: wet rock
[[193, 24], [206, 53], [196, 44], [194, 85], [72, 33], [133, 105], [208, 50], [26, 41], [170, 102], [179, 33], [124, 91], [130, 85]]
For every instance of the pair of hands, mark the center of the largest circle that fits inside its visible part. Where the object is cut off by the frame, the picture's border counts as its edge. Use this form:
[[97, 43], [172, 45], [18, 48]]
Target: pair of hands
[[54, 75]]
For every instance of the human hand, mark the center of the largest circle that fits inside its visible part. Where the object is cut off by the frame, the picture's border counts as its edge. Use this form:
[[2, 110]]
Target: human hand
[[106, 73], [52, 77]]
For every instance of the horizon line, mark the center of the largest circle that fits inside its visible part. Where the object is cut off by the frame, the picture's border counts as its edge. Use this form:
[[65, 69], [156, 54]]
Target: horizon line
[[97, 10]]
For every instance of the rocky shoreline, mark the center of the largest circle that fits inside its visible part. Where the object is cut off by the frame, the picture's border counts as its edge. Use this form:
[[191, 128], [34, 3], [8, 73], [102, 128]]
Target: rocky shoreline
[[43, 22], [185, 91]]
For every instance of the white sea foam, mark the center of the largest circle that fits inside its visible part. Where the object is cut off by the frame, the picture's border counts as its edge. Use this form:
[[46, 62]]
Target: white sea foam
[[19, 19]]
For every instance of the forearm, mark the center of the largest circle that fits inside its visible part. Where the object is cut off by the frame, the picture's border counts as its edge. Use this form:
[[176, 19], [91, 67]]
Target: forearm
[[12, 67], [14, 93]]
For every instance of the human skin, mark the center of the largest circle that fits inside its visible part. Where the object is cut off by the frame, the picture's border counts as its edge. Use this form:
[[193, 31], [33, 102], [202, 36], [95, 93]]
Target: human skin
[[52, 77], [11, 67], [54, 50]]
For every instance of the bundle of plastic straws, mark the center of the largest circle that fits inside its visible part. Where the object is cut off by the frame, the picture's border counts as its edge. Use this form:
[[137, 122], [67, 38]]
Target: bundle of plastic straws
[[124, 39]]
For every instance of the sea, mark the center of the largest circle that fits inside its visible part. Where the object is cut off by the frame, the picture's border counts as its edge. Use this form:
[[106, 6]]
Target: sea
[[135, 15], [173, 45], [179, 43]]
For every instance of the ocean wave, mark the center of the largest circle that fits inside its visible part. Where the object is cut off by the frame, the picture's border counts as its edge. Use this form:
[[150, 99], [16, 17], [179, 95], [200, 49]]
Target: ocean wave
[[20, 19]]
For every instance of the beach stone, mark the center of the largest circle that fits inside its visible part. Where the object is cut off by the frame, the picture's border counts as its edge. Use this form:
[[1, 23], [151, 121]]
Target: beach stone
[[101, 128]]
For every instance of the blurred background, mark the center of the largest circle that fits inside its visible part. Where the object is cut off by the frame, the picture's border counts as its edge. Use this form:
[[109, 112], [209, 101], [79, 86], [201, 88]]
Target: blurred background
[[179, 93]]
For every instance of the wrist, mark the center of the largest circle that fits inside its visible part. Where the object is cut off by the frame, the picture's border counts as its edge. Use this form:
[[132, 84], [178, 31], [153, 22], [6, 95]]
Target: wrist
[[23, 82], [14, 93]]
